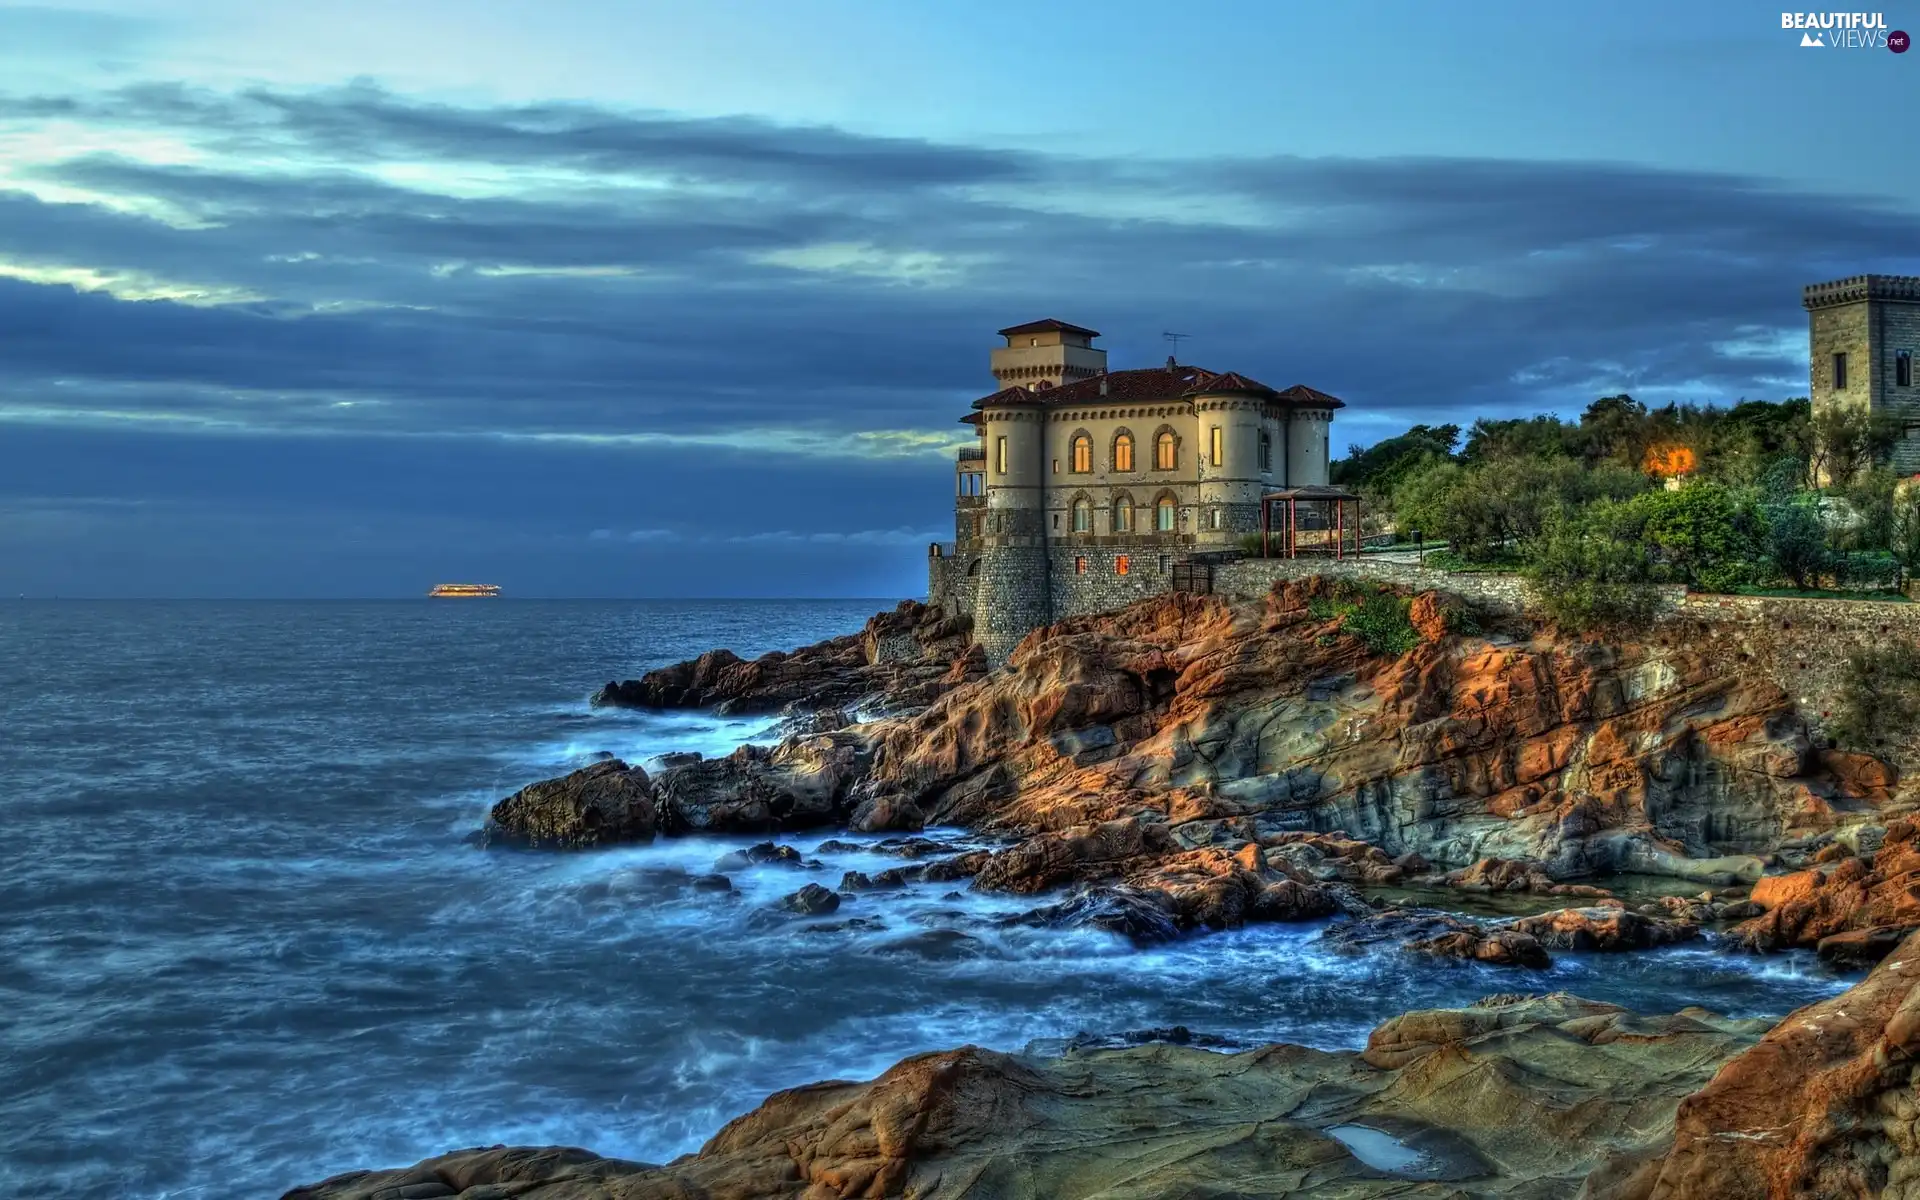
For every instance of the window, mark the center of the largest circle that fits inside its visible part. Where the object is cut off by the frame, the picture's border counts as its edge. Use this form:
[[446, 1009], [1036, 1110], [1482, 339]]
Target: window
[[1840, 372], [1213, 518], [1163, 514], [1056, 522], [1080, 566], [1119, 564], [1056, 466], [1903, 368], [1082, 454], [1033, 341], [1123, 452], [1216, 446], [1266, 451], [1166, 563], [1164, 451], [1082, 516], [1123, 515], [1000, 455]]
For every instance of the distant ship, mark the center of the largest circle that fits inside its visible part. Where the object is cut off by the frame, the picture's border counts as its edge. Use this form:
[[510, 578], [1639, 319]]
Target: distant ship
[[465, 589]]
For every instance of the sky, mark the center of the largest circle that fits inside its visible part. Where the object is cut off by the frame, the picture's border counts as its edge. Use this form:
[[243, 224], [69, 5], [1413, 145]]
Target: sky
[[621, 298]]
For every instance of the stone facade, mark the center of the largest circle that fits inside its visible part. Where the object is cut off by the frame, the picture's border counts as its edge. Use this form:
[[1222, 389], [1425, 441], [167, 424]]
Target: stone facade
[[1085, 486], [1858, 329]]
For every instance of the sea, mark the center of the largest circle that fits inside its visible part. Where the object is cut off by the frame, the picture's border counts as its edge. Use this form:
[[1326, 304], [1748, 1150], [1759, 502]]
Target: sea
[[248, 940]]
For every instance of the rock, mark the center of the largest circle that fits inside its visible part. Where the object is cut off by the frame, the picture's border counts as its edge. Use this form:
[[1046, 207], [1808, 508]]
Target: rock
[[1852, 895], [884, 814], [1603, 929], [1519, 1096], [1516, 875], [608, 803], [1498, 947], [760, 854], [1859, 948], [712, 883], [901, 661], [1144, 918], [803, 783], [811, 901], [1823, 1106]]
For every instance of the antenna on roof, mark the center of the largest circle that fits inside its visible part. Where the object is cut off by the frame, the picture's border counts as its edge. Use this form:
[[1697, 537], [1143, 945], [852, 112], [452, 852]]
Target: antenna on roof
[[1174, 340]]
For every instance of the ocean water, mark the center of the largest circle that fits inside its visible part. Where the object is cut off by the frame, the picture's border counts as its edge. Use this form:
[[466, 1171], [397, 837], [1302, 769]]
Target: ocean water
[[245, 942]]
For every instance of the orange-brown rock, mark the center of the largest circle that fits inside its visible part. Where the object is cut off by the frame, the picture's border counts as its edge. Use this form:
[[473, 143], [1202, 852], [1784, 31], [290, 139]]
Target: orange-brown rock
[[1515, 1097], [1602, 929], [1854, 895], [1827, 1105], [1510, 875]]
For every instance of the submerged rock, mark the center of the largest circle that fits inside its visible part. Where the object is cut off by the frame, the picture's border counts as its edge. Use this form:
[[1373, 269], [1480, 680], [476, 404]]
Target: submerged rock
[[605, 804], [811, 901]]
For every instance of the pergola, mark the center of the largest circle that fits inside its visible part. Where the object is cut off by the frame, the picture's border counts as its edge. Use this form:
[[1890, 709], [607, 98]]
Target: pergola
[[1317, 520]]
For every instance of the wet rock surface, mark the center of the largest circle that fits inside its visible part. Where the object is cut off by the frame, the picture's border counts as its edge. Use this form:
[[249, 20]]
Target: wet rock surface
[[1515, 1096], [605, 804]]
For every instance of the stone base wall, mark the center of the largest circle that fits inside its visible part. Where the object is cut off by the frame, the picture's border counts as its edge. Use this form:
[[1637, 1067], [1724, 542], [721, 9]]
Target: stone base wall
[[950, 581], [1012, 597], [1102, 588], [1251, 578]]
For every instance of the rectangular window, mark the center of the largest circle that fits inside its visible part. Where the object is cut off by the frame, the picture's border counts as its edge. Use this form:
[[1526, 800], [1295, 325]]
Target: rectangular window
[[1214, 450], [1056, 521], [1079, 566], [1120, 564], [1840, 372], [1166, 562], [1903, 368], [1056, 466], [1000, 455]]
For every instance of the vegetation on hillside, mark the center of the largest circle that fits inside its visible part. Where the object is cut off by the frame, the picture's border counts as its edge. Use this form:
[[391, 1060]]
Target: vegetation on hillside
[[1755, 496]]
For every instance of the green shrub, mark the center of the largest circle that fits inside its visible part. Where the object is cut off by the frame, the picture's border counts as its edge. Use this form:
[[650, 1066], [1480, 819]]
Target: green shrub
[[1879, 696], [1381, 621], [1587, 571], [1796, 541]]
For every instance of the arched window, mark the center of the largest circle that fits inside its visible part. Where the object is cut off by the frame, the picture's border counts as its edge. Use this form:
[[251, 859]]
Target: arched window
[[1266, 451], [1082, 453], [1123, 452], [1165, 451], [1083, 515], [1123, 514], [1163, 514]]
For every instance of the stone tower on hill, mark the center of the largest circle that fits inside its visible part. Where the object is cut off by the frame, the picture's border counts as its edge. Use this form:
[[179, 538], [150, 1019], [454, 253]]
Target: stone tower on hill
[[1863, 335], [1086, 486]]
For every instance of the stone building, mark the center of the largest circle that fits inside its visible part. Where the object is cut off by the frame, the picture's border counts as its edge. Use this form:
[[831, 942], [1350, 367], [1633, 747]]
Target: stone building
[[1087, 487], [1863, 334]]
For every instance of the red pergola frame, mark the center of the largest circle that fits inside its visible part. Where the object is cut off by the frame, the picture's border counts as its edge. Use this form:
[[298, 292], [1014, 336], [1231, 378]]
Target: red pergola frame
[[1338, 498]]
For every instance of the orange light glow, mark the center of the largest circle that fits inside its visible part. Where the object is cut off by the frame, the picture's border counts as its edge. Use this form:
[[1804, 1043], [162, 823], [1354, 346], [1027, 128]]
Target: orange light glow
[[1669, 461]]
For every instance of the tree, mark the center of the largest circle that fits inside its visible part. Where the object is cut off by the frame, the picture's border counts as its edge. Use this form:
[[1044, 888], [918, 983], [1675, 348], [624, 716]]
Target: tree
[[1586, 573], [1796, 541], [1703, 534]]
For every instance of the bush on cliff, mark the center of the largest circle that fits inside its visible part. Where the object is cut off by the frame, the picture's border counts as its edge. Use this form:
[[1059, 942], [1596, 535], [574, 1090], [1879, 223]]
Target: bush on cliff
[[1879, 696], [1380, 618]]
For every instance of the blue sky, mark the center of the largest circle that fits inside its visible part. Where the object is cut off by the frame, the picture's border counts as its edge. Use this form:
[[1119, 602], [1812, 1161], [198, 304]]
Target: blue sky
[[608, 299]]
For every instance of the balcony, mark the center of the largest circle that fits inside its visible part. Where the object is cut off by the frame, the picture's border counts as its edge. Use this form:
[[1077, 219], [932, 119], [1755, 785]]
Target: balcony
[[971, 454]]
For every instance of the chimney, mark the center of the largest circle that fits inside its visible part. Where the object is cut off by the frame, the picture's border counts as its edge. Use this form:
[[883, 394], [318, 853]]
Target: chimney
[[1170, 363], [1103, 383]]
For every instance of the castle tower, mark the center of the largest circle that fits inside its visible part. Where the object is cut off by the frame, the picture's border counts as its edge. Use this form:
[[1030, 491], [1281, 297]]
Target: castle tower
[[1231, 412], [1047, 354], [1309, 435], [1012, 594], [1863, 334]]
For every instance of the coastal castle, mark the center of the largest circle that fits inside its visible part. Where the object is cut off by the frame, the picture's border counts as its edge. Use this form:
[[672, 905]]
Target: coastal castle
[[1088, 489], [1862, 335]]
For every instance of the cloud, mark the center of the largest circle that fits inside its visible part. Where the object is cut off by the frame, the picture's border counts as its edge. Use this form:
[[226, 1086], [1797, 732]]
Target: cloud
[[705, 328]]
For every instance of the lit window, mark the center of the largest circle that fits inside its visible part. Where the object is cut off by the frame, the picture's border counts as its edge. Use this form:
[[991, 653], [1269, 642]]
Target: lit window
[[1266, 451], [1164, 452], [1163, 514], [1122, 515], [1123, 452], [1215, 446], [1082, 516], [1840, 372], [1000, 455], [1082, 454], [1079, 566], [1903, 368], [1120, 564]]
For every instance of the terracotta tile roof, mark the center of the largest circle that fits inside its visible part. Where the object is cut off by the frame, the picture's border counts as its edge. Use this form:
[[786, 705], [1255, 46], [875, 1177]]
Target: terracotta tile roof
[[1048, 326], [1228, 383], [1301, 394]]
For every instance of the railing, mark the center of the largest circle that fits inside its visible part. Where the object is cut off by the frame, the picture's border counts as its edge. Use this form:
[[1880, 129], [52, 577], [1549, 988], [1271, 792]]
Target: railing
[[971, 454]]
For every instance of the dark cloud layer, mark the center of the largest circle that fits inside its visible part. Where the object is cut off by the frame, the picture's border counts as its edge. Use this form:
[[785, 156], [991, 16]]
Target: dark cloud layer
[[381, 288]]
